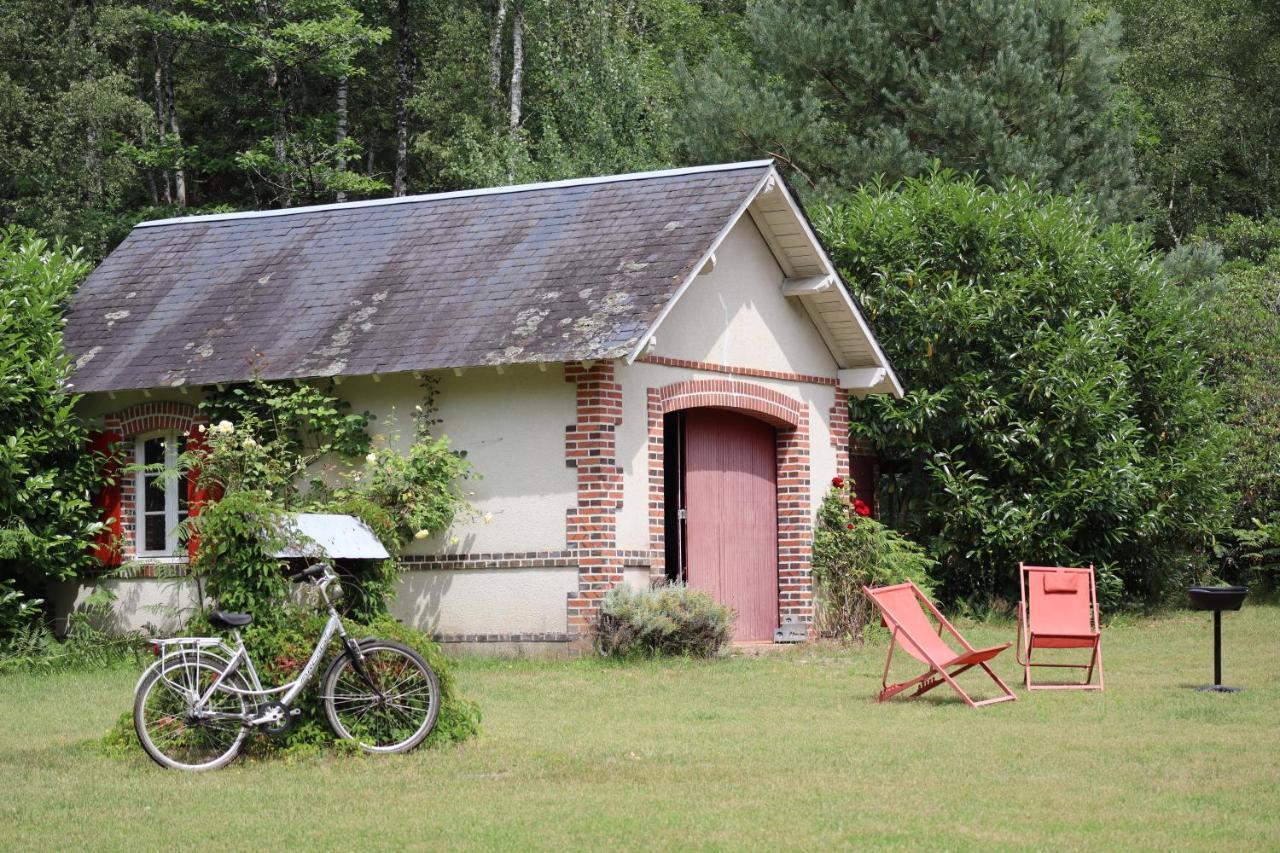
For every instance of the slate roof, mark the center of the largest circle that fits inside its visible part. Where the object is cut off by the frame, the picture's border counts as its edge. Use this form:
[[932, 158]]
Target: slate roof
[[557, 272]]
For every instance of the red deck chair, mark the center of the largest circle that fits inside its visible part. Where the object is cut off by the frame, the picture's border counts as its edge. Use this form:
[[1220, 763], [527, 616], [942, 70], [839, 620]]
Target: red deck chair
[[1059, 610], [903, 607]]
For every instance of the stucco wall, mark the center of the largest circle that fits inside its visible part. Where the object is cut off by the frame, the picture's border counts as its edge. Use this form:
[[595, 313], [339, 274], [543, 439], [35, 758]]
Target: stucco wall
[[736, 314], [511, 426], [154, 606], [486, 601]]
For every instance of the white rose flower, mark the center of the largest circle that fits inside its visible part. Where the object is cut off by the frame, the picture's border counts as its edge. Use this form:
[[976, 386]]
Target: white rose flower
[[371, 458], [421, 534], [488, 518], [203, 427], [226, 427], [249, 444], [453, 540]]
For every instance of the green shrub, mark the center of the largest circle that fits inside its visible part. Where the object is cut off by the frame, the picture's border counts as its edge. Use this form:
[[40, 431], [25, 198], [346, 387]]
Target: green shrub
[[852, 550], [668, 620], [46, 477], [281, 648], [34, 648], [1056, 410]]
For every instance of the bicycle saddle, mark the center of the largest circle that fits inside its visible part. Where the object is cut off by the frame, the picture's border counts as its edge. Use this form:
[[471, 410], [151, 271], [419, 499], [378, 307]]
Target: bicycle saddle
[[224, 620]]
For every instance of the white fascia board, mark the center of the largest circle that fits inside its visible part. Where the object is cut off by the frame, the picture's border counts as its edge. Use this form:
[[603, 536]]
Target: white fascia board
[[410, 199], [643, 343]]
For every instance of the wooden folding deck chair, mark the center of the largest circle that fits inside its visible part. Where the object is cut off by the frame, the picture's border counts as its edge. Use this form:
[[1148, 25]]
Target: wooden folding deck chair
[[1059, 610], [903, 608]]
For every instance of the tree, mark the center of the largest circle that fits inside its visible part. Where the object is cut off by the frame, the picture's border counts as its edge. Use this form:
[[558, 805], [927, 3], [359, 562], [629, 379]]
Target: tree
[[1201, 77], [1231, 273], [840, 93], [46, 518], [1055, 411]]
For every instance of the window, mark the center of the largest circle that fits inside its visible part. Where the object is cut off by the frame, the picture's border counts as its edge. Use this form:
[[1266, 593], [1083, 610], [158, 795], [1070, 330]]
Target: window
[[161, 494]]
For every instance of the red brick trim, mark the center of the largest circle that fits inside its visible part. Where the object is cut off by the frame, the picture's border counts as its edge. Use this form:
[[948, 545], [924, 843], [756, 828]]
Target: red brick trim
[[712, 367], [496, 560], [134, 421], [840, 432], [765, 403], [591, 527], [795, 592]]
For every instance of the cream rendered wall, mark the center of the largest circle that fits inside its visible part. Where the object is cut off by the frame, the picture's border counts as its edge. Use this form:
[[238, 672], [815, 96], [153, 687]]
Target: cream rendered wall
[[512, 427], [486, 601], [737, 315]]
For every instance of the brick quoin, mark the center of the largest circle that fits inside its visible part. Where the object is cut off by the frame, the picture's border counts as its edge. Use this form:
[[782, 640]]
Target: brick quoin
[[791, 418], [591, 527], [840, 432], [130, 423]]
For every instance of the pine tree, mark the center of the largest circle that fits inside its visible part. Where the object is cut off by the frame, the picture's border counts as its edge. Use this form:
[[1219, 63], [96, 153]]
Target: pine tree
[[843, 92]]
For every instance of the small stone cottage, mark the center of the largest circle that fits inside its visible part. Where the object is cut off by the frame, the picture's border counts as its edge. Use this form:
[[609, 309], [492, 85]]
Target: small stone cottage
[[649, 371]]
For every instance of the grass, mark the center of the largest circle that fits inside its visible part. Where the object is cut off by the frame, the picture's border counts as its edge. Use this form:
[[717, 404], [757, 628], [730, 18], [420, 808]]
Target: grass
[[782, 751]]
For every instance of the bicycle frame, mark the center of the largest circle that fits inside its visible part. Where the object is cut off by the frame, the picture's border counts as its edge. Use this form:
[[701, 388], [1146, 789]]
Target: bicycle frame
[[233, 659]]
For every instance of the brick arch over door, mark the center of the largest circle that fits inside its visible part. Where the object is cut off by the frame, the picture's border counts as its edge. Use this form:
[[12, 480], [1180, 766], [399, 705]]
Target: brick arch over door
[[121, 498], [791, 418]]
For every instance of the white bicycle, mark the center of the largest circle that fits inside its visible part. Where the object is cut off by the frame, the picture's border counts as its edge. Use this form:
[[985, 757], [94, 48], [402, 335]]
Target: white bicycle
[[194, 707]]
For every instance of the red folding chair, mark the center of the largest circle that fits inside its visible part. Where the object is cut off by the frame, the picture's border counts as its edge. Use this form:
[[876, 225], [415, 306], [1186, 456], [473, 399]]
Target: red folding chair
[[1059, 610], [903, 608]]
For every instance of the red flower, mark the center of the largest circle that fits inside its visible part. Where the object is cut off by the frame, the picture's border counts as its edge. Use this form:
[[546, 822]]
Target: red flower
[[861, 508], [849, 525], [837, 481]]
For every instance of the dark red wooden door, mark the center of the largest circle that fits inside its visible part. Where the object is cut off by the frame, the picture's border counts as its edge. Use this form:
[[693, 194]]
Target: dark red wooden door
[[731, 503]]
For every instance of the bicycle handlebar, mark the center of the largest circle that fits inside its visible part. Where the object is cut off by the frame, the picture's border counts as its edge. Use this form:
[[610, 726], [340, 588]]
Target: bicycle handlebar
[[319, 570]]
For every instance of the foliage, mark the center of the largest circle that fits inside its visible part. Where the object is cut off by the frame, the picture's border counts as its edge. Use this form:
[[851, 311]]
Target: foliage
[[280, 649], [852, 550], [1055, 411], [1199, 74], [239, 537], [667, 620], [289, 426], [121, 110], [1239, 296], [841, 93], [46, 518], [86, 645], [419, 489]]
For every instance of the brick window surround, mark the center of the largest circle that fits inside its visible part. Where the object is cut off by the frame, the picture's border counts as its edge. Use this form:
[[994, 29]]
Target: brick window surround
[[130, 423], [791, 418]]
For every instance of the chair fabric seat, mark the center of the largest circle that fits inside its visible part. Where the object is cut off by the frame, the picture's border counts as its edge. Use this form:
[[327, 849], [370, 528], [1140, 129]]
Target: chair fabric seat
[[976, 656], [1063, 641]]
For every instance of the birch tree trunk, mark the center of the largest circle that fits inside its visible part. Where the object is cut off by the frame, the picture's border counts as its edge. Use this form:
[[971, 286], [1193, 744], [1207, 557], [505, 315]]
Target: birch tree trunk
[[179, 171], [517, 64], [340, 134], [495, 46], [157, 91], [404, 60]]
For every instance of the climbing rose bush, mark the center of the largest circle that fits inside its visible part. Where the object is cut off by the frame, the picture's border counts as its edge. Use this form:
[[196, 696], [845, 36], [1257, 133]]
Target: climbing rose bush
[[852, 550]]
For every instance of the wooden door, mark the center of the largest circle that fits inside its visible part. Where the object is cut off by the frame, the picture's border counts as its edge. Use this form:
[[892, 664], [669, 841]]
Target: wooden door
[[731, 521]]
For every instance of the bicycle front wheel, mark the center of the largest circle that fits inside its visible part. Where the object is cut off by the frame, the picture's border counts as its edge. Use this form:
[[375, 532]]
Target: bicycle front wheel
[[392, 707], [170, 728]]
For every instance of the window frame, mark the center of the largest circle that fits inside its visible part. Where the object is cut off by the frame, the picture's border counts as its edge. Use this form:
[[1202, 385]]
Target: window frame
[[174, 513]]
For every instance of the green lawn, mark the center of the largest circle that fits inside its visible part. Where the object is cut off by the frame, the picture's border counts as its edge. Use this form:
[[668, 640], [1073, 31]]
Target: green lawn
[[784, 751]]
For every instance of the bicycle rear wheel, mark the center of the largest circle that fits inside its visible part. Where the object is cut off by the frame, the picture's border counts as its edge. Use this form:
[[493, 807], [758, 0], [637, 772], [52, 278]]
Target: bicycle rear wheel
[[172, 732], [394, 709]]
